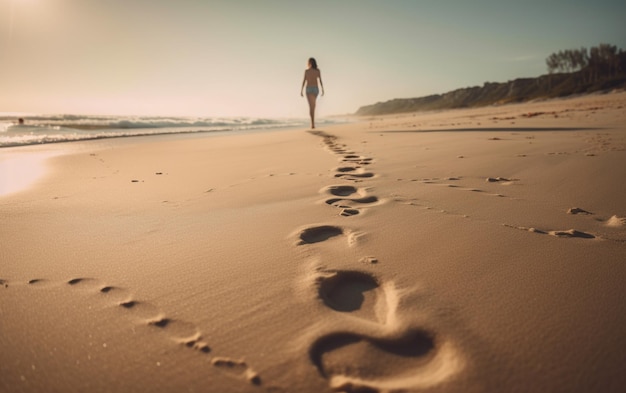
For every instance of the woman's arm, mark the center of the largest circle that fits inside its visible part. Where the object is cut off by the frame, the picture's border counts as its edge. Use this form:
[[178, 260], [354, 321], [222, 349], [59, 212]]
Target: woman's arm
[[303, 83], [321, 84]]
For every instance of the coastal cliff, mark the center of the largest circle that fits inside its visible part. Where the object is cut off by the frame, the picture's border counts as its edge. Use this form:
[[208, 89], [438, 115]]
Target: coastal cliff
[[493, 93]]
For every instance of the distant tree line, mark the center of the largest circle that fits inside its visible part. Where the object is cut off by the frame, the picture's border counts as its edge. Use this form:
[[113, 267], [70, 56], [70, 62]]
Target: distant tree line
[[573, 71], [604, 61]]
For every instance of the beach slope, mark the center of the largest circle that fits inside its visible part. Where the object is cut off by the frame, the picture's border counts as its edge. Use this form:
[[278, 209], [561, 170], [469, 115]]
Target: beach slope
[[452, 251]]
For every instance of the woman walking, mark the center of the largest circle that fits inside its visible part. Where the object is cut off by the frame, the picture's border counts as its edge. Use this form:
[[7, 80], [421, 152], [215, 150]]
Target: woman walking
[[311, 75]]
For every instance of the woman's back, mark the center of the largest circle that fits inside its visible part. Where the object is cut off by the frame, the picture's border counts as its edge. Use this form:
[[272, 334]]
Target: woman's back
[[311, 75]]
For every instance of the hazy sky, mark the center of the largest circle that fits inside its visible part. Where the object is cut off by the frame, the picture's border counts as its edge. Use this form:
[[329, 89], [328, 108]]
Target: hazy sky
[[231, 57]]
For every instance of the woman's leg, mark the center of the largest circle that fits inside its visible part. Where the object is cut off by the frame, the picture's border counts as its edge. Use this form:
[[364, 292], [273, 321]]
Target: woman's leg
[[312, 98]]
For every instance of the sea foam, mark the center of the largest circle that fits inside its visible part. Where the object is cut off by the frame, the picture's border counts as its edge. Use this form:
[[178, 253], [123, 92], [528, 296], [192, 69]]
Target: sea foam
[[65, 128]]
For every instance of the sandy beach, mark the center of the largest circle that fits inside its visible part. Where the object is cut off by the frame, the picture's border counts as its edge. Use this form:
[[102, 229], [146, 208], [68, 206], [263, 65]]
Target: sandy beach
[[470, 250]]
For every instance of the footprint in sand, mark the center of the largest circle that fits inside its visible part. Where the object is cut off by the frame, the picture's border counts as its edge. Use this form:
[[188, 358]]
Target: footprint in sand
[[354, 159], [411, 361], [347, 211], [39, 282], [347, 204], [82, 281], [353, 292], [357, 175], [353, 172], [571, 233], [616, 222], [342, 191], [397, 360], [237, 368], [358, 294], [179, 331], [345, 169], [501, 180], [341, 202], [331, 143], [437, 181], [322, 233], [182, 332], [577, 210], [319, 234], [339, 148], [329, 140]]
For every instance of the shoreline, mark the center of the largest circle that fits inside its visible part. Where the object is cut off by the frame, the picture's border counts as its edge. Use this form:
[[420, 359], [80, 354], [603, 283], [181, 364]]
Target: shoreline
[[473, 250], [164, 131], [36, 156], [40, 159]]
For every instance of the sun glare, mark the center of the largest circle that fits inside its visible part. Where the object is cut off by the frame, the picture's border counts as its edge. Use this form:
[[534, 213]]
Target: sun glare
[[19, 172]]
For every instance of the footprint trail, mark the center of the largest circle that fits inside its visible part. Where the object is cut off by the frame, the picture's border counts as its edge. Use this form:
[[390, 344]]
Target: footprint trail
[[400, 356], [149, 315], [349, 199]]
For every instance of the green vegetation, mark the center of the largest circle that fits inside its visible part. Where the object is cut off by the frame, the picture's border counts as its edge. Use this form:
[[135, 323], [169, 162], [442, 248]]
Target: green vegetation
[[580, 71]]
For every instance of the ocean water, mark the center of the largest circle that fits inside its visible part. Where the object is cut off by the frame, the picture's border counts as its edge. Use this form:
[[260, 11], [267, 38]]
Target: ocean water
[[38, 129]]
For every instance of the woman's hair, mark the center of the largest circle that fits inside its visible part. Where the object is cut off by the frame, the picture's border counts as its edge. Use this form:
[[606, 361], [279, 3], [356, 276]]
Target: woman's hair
[[313, 63]]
